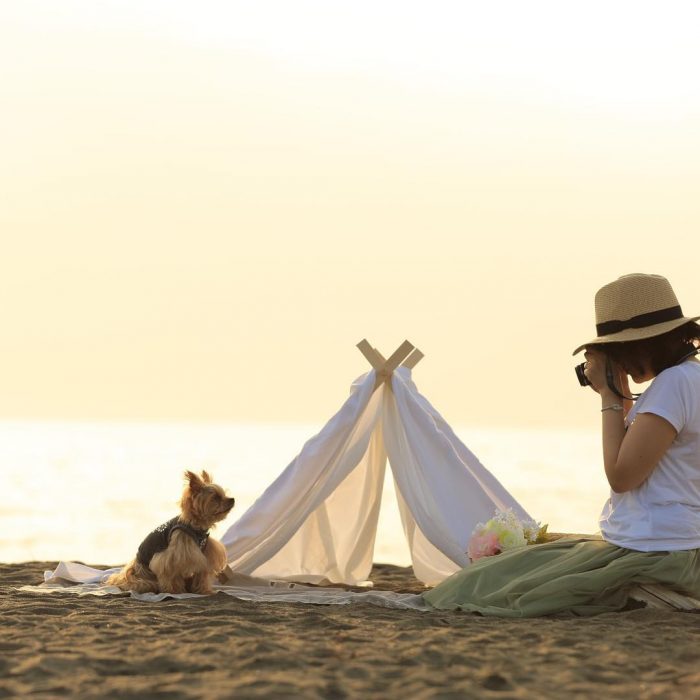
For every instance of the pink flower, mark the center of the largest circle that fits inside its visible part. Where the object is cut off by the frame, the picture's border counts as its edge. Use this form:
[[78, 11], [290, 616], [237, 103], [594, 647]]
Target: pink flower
[[483, 544]]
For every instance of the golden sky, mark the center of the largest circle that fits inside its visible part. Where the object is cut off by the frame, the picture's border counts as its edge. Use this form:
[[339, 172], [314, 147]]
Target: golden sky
[[205, 206]]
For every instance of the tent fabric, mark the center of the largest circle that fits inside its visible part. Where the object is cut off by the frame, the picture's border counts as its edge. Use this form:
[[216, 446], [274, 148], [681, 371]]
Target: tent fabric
[[317, 521]]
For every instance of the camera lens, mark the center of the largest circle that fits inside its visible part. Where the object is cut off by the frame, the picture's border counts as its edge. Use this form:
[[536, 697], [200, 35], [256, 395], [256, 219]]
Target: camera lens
[[581, 375]]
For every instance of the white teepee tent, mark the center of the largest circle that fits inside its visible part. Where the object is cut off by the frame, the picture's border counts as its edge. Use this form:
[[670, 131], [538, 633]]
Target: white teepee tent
[[317, 521]]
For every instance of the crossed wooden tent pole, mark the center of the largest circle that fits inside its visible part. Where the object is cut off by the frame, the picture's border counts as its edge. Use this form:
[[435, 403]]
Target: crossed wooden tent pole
[[406, 355]]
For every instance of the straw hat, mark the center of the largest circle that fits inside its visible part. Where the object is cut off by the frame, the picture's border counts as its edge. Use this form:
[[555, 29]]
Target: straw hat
[[634, 307]]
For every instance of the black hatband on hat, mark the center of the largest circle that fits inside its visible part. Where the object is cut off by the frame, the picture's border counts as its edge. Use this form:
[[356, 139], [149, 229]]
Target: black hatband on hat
[[641, 321]]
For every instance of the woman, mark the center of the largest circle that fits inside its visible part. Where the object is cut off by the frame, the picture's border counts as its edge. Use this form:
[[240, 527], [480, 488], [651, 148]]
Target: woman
[[650, 526]]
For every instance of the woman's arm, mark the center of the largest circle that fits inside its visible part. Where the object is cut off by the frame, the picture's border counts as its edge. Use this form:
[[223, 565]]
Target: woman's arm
[[629, 456]]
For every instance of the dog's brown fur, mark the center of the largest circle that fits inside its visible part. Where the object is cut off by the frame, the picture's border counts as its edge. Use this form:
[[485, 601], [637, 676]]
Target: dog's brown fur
[[183, 567]]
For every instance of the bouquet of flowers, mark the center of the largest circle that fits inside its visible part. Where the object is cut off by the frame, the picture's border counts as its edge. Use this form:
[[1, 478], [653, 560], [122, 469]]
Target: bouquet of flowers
[[503, 532]]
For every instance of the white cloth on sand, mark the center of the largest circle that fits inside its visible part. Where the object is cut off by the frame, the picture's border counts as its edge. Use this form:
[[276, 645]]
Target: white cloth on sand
[[78, 579]]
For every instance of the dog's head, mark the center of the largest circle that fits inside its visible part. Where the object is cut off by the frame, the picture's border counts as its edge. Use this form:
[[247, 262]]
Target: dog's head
[[203, 502]]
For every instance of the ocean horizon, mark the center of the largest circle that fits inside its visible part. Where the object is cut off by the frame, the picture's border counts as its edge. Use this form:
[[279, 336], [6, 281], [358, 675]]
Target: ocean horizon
[[90, 491]]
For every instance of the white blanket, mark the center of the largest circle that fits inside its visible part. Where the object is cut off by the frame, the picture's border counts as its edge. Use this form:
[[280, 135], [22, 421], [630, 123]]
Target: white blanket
[[78, 579]]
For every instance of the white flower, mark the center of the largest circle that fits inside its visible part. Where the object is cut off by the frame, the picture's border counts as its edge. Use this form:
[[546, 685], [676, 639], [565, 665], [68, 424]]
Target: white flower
[[511, 539], [531, 529]]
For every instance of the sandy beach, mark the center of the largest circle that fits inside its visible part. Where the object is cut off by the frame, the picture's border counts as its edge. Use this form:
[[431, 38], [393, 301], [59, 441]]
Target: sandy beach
[[218, 647]]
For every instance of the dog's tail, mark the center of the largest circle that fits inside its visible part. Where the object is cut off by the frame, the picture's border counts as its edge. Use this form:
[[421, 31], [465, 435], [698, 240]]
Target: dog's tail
[[135, 577]]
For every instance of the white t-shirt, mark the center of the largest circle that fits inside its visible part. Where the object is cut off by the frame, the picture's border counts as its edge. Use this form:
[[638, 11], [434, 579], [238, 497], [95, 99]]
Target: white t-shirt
[[663, 513]]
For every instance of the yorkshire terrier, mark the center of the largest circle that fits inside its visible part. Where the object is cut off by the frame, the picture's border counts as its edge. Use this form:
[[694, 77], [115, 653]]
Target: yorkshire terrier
[[179, 556]]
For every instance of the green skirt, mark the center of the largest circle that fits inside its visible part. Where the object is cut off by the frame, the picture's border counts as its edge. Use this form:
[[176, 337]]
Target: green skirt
[[585, 576]]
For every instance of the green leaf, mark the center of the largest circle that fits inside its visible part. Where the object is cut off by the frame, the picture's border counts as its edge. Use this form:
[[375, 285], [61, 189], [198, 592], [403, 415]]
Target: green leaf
[[541, 534]]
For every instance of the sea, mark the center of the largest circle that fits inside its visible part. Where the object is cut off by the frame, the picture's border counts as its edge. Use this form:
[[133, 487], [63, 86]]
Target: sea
[[90, 492]]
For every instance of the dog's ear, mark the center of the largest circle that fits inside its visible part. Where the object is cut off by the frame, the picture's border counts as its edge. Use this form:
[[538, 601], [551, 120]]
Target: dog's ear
[[205, 477], [194, 481]]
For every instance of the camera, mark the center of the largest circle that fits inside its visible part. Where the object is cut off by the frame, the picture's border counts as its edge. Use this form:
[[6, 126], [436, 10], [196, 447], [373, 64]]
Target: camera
[[581, 375]]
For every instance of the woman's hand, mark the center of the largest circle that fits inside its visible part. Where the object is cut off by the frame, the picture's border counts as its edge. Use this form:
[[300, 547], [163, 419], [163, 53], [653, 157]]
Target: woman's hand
[[595, 370]]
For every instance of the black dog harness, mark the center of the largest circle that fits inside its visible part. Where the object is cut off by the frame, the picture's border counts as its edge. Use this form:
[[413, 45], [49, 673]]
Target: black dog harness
[[159, 539]]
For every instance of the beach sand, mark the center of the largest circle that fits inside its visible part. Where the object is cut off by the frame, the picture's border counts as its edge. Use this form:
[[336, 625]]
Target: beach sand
[[218, 647]]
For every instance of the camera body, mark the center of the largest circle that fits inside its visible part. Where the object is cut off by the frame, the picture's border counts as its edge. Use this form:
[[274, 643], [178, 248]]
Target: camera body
[[581, 374]]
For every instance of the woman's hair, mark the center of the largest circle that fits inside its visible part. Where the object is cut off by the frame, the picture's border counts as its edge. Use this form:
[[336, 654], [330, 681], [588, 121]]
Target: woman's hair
[[661, 352]]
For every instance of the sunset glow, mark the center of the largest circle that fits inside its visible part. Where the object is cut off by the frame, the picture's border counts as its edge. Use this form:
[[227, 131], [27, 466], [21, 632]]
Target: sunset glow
[[204, 204]]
